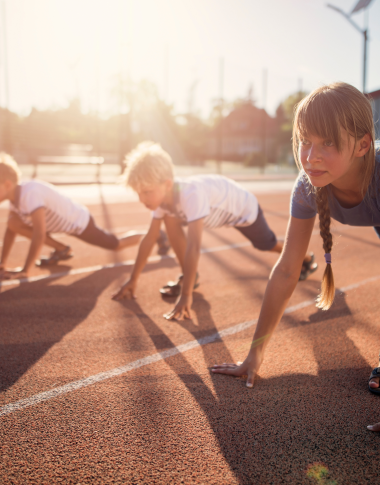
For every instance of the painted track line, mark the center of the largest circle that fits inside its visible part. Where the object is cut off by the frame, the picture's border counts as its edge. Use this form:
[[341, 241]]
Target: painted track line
[[151, 359], [128, 262]]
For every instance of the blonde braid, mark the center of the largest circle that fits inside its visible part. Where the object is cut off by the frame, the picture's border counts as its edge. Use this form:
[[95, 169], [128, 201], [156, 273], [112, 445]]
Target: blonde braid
[[326, 297]]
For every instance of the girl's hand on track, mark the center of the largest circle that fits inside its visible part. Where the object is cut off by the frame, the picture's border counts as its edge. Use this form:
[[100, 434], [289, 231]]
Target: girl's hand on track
[[248, 368], [181, 309], [126, 292], [374, 427]]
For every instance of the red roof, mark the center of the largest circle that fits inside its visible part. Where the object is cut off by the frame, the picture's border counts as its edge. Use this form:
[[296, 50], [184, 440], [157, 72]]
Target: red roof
[[374, 94], [247, 119]]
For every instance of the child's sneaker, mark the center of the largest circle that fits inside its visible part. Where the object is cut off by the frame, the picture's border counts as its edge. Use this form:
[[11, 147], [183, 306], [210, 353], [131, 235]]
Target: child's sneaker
[[56, 256], [163, 243]]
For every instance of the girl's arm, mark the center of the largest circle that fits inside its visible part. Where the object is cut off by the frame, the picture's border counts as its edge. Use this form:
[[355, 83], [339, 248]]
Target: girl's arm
[[282, 282], [145, 248]]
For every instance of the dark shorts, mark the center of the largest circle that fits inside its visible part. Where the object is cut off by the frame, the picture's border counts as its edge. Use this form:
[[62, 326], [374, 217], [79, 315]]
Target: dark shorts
[[98, 237], [377, 230], [259, 233]]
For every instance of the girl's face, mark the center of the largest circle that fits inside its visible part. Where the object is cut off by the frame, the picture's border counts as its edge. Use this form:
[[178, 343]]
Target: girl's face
[[324, 164]]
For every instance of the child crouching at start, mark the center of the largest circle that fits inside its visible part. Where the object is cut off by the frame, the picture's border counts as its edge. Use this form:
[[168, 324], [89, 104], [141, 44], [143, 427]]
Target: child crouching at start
[[38, 210], [200, 201]]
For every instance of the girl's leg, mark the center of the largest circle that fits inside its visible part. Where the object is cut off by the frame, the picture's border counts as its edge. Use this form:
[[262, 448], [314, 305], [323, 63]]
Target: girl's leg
[[177, 238], [16, 225]]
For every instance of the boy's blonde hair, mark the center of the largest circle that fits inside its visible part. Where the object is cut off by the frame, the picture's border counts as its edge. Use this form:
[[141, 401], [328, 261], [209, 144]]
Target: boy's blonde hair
[[323, 113], [9, 169], [147, 164]]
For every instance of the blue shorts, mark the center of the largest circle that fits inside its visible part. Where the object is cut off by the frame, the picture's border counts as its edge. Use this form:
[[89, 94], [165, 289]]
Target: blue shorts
[[377, 230], [259, 233]]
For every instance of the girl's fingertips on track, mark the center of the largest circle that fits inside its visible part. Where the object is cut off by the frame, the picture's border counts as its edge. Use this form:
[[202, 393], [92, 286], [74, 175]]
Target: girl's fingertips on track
[[249, 384]]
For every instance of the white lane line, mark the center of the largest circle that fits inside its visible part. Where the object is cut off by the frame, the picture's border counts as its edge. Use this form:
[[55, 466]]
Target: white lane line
[[88, 269], [129, 262], [151, 359]]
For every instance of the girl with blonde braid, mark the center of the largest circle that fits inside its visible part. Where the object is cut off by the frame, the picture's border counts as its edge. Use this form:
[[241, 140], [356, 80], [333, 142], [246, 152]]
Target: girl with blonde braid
[[334, 146]]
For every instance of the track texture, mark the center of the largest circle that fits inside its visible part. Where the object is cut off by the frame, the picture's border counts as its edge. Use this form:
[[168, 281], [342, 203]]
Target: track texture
[[174, 421]]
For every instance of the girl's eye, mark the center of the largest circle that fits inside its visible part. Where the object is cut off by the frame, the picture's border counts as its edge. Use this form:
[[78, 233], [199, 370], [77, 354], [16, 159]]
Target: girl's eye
[[329, 143], [304, 141]]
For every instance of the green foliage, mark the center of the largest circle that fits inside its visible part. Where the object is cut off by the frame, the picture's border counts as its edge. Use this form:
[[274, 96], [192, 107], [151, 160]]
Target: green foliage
[[255, 159], [193, 134], [320, 473], [284, 117]]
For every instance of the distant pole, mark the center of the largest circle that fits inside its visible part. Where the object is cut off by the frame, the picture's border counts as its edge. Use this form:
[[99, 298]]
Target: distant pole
[[365, 61], [364, 32], [264, 120], [97, 94], [121, 92], [166, 74], [5, 44], [300, 85], [6, 128], [221, 105]]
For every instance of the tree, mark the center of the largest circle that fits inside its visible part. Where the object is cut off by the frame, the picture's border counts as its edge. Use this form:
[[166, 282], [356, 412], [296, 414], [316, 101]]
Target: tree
[[284, 117]]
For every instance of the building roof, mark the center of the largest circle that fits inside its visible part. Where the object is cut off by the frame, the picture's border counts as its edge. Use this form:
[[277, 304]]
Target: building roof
[[374, 94], [247, 119]]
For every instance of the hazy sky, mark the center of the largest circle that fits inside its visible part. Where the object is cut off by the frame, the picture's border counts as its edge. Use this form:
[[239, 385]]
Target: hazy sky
[[60, 48]]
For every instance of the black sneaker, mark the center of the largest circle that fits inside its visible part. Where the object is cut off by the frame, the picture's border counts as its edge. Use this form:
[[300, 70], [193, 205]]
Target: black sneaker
[[56, 256]]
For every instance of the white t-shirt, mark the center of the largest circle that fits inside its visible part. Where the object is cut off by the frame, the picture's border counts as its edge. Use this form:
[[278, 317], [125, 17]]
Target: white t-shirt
[[221, 201], [62, 214]]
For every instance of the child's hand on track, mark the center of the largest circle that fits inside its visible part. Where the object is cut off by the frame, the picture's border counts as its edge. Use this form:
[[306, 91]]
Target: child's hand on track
[[126, 292], [248, 368], [374, 427], [181, 309]]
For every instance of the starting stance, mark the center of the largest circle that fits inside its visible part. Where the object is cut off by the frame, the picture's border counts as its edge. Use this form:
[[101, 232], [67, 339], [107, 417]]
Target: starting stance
[[37, 210], [200, 201]]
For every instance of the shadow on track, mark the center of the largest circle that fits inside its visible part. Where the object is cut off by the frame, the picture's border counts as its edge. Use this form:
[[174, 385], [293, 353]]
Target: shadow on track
[[35, 316], [287, 423]]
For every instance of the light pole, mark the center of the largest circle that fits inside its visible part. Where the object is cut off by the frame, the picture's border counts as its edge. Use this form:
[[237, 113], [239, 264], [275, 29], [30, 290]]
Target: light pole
[[359, 6]]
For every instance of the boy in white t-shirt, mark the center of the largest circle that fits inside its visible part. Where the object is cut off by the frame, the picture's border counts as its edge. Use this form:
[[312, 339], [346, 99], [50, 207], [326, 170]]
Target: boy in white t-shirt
[[199, 201], [38, 210]]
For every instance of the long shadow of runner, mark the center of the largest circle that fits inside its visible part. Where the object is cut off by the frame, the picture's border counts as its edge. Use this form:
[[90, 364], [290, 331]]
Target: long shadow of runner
[[35, 316], [272, 434]]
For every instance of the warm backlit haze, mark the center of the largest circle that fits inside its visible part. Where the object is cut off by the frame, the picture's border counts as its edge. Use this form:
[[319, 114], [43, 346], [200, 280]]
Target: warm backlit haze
[[58, 50], [210, 80]]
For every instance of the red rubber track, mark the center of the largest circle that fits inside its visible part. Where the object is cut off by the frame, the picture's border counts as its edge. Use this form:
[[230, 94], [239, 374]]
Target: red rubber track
[[174, 421]]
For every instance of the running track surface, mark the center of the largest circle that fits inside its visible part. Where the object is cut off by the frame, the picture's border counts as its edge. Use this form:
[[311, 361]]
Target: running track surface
[[162, 416]]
